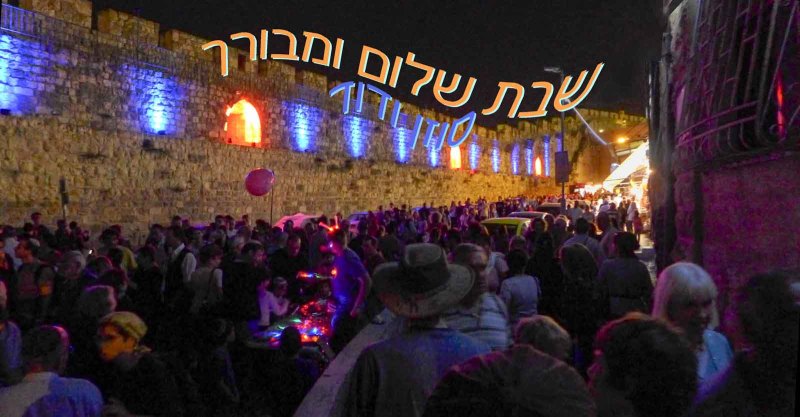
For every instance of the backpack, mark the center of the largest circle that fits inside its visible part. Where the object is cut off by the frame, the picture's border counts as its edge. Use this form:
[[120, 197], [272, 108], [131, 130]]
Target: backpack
[[187, 387], [202, 303]]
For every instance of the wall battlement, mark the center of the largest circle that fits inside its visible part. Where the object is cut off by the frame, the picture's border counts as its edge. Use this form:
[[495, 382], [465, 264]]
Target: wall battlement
[[103, 91]]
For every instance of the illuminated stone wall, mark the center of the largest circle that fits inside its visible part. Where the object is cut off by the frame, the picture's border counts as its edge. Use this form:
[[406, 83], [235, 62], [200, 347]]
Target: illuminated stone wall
[[82, 102]]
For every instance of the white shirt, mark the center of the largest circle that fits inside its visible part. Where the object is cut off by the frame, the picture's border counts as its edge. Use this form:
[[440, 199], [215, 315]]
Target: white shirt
[[632, 210], [189, 263], [11, 244], [269, 303], [591, 244], [495, 268]]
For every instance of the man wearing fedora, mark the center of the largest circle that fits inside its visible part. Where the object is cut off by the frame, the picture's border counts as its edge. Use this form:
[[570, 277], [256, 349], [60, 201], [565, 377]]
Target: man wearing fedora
[[395, 377]]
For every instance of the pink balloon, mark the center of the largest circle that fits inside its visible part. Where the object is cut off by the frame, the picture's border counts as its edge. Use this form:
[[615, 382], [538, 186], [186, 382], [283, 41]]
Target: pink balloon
[[259, 181]]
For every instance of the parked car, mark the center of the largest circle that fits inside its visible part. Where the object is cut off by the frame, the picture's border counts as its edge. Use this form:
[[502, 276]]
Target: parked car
[[514, 225], [552, 208], [581, 203], [299, 219], [354, 219], [528, 214], [531, 215]]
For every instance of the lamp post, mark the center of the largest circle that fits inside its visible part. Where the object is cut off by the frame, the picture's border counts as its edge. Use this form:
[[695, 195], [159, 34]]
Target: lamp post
[[559, 71]]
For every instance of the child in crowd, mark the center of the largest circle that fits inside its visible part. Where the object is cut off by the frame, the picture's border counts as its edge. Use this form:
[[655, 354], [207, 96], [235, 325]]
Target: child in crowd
[[274, 304]]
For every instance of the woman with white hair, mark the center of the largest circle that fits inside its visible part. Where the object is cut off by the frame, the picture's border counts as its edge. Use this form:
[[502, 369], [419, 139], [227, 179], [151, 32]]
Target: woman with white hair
[[685, 296]]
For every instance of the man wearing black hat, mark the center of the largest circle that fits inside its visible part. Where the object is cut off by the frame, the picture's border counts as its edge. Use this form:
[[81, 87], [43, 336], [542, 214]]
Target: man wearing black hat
[[395, 377]]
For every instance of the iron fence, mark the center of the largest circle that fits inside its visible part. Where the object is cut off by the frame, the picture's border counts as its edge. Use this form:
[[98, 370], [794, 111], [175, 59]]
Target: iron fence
[[741, 94]]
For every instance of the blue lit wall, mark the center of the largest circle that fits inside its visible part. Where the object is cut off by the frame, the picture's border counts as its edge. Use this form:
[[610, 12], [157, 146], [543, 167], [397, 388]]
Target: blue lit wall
[[433, 155], [474, 153], [496, 156], [529, 156], [402, 147], [546, 151], [434, 152], [156, 98], [21, 64], [303, 120], [356, 135], [515, 159]]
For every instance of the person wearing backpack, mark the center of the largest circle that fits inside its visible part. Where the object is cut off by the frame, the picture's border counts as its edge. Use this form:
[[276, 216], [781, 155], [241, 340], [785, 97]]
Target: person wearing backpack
[[206, 282], [33, 287]]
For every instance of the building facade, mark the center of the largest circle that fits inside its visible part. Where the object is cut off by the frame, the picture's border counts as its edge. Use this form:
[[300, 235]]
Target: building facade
[[725, 123]]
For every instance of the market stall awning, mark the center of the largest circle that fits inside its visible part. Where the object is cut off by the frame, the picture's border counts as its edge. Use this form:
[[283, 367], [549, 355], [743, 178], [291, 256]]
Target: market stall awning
[[636, 161]]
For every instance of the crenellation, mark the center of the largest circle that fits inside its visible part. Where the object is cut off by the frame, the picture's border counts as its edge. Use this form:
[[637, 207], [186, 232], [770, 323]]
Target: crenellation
[[128, 26], [78, 12], [86, 100]]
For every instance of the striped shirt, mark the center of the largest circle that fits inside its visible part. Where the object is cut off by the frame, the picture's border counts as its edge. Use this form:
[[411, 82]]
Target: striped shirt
[[486, 321]]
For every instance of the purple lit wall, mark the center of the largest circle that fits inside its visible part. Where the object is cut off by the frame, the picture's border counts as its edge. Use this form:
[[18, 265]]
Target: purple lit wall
[[433, 156], [546, 152], [156, 98], [22, 63], [434, 152], [474, 153], [402, 147], [303, 120], [356, 134], [496, 156], [529, 156], [515, 159]]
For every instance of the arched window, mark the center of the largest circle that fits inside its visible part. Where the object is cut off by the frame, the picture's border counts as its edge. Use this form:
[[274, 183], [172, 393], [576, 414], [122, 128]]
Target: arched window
[[243, 126]]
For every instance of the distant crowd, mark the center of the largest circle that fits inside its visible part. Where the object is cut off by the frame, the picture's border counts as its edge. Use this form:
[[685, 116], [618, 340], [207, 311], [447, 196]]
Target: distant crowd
[[560, 318]]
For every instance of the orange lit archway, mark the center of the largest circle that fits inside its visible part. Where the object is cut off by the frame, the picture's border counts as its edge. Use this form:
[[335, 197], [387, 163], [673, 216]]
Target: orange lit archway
[[537, 166], [243, 126], [455, 157]]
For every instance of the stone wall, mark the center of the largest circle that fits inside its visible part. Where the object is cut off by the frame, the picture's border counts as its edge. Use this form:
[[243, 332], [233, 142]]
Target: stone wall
[[78, 12], [112, 179], [80, 103], [724, 188], [749, 224]]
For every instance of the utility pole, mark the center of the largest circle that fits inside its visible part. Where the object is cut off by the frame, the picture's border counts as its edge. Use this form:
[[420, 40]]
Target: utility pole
[[562, 158], [563, 149]]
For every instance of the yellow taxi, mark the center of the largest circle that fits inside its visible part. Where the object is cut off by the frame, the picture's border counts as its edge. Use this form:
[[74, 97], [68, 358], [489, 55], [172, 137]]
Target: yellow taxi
[[513, 225]]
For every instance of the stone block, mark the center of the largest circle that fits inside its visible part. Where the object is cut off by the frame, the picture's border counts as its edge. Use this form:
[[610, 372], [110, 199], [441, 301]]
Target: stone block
[[128, 26], [78, 12]]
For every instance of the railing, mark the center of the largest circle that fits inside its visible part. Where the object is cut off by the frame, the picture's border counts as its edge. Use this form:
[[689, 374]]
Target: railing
[[53, 33], [741, 94], [19, 21]]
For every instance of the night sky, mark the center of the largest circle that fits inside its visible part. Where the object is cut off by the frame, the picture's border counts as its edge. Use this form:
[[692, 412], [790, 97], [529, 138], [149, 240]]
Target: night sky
[[490, 40]]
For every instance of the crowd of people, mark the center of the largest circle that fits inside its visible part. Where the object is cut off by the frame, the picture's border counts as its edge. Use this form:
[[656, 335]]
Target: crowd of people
[[563, 319]]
